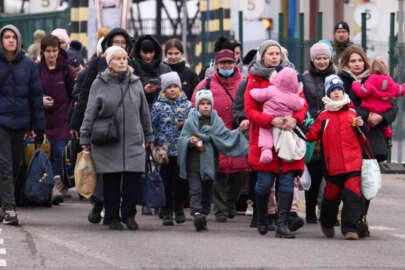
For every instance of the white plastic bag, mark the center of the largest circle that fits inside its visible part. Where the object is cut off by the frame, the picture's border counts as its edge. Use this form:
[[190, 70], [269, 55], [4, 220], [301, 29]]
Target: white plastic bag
[[305, 179], [370, 178]]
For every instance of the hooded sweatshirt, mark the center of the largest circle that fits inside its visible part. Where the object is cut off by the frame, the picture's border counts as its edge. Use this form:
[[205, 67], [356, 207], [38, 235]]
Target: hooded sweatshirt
[[147, 71], [21, 105]]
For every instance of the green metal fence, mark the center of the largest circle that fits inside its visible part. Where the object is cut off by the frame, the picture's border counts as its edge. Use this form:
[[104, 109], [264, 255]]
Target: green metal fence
[[28, 23]]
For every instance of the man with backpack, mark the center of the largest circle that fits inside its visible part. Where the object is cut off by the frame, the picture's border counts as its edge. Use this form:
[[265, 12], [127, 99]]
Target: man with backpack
[[21, 112]]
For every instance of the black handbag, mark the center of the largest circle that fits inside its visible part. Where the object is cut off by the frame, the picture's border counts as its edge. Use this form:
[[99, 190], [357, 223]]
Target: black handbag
[[107, 130]]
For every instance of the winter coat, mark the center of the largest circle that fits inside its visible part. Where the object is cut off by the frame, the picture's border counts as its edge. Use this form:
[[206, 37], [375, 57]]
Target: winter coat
[[216, 137], [314, 88], [188, 77], [339, 139], [147, 71], [223, 105], [168, 117], [54, 85], [128, 155], [377, 92], [258, 119], [375, 135], [21, 106], [238, 108], [279, 99], [338, 48], [95, 66]]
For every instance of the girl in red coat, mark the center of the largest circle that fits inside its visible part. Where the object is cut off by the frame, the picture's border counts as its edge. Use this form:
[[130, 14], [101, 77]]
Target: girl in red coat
[[378, 91], [342, 157], [268, 59]]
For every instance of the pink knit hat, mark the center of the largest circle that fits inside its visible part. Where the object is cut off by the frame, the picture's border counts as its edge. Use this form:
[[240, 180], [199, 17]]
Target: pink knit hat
[[319, 49], [61, 34], [113, 50]]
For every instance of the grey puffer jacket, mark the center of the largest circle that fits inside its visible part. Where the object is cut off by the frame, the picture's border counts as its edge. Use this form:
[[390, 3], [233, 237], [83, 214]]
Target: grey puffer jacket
[[128, 155]]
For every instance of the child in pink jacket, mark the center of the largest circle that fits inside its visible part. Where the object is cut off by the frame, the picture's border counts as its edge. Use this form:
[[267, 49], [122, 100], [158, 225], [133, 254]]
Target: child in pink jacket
[[378, 91], [280, 99]]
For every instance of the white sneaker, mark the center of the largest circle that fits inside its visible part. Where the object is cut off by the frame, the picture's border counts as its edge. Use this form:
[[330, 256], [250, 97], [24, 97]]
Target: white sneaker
[[249, 208]]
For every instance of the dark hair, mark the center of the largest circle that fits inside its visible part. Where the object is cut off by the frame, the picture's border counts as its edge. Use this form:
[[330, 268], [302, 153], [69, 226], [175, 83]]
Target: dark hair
[[174, 43], [49, 40]]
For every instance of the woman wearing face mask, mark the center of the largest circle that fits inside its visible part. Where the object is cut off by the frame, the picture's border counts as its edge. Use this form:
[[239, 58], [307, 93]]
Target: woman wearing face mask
[[269, 57], [319, 68], [232, 171], [174, 53]]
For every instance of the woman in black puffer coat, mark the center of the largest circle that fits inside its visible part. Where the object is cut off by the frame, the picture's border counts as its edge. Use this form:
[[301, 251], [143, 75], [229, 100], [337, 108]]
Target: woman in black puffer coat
[[320, 67]]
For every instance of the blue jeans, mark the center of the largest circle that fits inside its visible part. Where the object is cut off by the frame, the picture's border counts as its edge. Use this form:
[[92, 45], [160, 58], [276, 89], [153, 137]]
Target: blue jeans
[[57, 148], [265, 181]]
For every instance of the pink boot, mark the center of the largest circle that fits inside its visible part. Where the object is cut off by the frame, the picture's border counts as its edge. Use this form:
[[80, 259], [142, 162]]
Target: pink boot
[[266, 156]]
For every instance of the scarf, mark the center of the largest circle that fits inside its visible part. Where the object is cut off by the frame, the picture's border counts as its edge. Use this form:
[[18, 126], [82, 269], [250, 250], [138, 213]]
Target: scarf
[[359, 77], [259, 69], [215, 137], [335, 105]]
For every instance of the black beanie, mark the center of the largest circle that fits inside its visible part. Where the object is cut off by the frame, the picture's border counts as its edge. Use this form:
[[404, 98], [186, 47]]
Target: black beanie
[[342, 25]]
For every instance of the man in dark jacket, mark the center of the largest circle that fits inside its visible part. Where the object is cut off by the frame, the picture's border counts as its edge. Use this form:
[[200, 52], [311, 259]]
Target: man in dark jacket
[[147, 55], [21, 112], [117, 37]]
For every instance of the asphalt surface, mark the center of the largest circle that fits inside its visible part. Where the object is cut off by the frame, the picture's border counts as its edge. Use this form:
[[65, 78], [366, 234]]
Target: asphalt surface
[[61, 238]]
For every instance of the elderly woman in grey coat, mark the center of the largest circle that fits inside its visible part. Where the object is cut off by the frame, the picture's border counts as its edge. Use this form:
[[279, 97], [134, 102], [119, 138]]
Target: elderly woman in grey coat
[[123, 160]]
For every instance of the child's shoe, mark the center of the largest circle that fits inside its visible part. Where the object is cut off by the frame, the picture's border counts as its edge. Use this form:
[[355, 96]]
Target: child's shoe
[[199, 222], [328, 232], [351, 236], [10, 217], [266, 156]]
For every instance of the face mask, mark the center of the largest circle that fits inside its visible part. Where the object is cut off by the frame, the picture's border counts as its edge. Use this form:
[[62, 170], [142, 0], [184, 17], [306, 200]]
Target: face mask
[[226, 72]]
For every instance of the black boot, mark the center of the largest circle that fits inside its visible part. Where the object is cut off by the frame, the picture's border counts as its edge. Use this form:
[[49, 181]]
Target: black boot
[[179, 215], [284, 206], [261, 208], [253, 222], [295, 222], [272, 221], [95, 211]]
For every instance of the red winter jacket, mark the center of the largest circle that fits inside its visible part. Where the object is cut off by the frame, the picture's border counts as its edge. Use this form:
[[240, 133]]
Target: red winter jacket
[[257, 120], [340, 141], [223, 106]]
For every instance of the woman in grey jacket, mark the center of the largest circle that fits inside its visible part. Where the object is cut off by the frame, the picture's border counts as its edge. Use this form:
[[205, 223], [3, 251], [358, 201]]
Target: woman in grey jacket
[[125, 159]]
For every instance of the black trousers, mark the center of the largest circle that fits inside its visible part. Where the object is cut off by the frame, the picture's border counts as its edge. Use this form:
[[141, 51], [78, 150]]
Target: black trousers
[[176, 189], [11, 156], [311, 195], [122, 185]]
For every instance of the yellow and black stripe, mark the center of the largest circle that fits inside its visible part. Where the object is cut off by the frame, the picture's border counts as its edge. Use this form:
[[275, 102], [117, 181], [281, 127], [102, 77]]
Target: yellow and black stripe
[[211, 30], [79, 15]]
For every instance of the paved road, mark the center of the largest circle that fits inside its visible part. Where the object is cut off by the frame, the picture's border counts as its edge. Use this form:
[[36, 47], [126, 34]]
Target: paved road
[[61, 238]]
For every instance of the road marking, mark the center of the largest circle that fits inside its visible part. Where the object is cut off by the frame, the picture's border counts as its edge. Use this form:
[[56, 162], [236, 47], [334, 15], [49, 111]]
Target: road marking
[[402, 236], [3, 251], [381, 228], [3, 263]]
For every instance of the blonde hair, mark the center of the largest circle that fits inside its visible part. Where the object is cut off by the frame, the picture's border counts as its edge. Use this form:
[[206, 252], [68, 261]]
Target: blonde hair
[[379, 66]]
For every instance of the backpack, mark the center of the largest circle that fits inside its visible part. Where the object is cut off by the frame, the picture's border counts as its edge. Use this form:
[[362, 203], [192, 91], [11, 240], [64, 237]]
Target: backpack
[[39, 179]]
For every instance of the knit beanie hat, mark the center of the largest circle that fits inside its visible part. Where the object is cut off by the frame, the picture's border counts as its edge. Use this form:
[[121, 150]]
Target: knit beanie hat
[[332, 82], [319, 49], [265, 44], [169, 79], [224, 55], [201, 94], [39, 34], [74, 53], [342, 25], [61, 34], [113, 50]]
